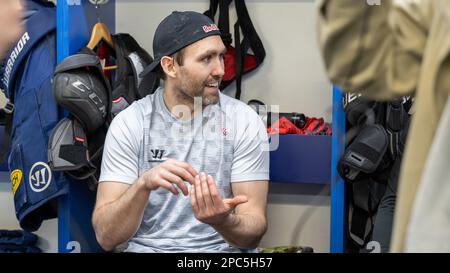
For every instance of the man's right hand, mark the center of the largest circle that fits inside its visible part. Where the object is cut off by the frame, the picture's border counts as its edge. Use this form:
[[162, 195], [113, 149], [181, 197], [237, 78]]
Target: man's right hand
[[168, 174]]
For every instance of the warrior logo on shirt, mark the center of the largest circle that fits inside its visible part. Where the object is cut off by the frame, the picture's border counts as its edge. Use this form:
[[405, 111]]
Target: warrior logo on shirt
[[157, 154]]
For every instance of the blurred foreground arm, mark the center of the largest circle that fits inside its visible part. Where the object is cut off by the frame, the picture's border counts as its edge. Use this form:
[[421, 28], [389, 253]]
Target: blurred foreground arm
[[373, 49], [10, 24]]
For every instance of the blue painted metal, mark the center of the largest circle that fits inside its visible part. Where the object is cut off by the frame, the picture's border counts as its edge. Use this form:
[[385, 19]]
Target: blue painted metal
[[62, 31], [4, 164], [337, 206], [301, 159], [62, 51], [74, 23]]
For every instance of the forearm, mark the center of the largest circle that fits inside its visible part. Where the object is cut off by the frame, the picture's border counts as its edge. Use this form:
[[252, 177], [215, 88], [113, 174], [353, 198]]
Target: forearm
[[242, 230], [117, 221]]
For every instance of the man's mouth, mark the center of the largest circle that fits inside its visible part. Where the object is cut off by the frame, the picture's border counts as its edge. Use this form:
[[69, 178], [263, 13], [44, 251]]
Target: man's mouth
[[213, 85]]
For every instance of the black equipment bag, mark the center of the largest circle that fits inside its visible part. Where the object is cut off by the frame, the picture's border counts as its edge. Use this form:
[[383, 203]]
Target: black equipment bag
[[80, 86], [376, 133]]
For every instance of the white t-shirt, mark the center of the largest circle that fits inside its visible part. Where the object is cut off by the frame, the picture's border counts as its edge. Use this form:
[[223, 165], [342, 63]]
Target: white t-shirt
[[227, 140]]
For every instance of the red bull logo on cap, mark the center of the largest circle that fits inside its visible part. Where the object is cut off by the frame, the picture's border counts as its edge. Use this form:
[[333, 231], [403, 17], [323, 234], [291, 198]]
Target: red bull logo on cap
[[210, 28]]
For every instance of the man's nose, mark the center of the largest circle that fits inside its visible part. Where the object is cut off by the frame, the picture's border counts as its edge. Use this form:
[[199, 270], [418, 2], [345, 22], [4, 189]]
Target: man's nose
[[219, 68]]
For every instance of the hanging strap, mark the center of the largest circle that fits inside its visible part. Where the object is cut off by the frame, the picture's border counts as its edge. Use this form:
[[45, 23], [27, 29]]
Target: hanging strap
[[224, 21], [211, 12], [239, 62], [224, 18], [251, 38]]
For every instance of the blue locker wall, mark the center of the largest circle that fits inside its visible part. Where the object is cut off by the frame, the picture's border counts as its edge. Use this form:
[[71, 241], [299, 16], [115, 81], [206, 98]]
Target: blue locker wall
[[337, 202], [75, 19]]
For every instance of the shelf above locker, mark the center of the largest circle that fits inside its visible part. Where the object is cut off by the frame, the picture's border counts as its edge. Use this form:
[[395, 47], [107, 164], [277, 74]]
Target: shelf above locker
[[301, 159]]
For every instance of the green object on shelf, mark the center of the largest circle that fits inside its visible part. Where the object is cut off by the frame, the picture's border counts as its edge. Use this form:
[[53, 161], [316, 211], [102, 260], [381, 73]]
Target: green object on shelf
[[286, 249]]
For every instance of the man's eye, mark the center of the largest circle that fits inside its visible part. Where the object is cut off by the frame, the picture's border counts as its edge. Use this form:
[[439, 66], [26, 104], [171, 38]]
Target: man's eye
[[207, 59]]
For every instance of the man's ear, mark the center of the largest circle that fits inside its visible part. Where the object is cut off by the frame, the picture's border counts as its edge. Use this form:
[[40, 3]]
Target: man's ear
[[167, 64]]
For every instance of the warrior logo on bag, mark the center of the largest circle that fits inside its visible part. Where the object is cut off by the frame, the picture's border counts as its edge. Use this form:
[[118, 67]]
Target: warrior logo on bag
[[349, 97], [16, 178], [40, 177]]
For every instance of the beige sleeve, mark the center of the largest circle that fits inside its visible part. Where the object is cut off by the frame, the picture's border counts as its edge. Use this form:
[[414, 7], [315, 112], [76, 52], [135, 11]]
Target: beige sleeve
[[375, 50]]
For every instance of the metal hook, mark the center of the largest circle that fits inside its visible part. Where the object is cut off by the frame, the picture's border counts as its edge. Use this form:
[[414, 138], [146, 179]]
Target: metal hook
[[96, 3], [97, 12]]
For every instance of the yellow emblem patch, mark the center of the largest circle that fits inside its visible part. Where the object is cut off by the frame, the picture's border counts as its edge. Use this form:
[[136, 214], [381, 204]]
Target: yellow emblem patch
[[16, 178]]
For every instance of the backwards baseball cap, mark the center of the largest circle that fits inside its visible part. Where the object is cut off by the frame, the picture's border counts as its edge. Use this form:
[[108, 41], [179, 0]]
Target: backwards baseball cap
[[177, 31]]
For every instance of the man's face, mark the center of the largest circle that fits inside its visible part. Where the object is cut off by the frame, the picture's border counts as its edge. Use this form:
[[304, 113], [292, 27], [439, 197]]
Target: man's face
[[202, 70]]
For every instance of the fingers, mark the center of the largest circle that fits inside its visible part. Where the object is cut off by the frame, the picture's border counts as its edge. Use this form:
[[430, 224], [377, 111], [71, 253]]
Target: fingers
[[205, 191], [194, 203], [175, 180], [215, 195], [186, 166], [182, 169], [176, 172], [206, 201], [189, 168], [198, 193], [237, 200], [169, 186]]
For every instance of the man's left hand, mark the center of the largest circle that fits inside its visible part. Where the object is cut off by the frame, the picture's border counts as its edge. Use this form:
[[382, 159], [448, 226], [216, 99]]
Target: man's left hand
[[207, 203]]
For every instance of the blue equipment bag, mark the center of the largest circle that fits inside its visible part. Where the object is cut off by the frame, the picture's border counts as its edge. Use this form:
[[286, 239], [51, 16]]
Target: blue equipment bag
[[26, 75]]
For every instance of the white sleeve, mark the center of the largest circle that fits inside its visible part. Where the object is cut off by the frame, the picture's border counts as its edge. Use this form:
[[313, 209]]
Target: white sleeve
[[251, 153], [120, 162]]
